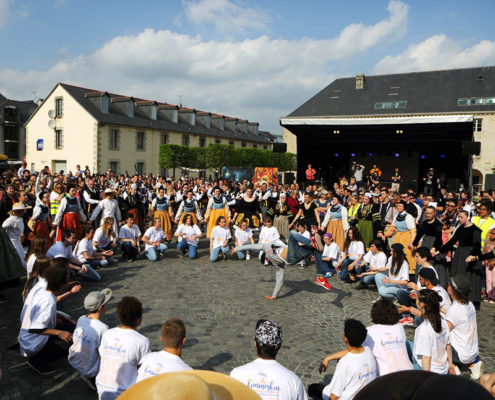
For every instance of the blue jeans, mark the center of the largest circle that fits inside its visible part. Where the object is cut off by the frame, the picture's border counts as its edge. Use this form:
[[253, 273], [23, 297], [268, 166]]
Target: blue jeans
[[389, 290], [343, 272], [90, 276], [183, 245], [151, 253], [296, 253], [216, 251], [410, 347], [95, 264], [241, 255]]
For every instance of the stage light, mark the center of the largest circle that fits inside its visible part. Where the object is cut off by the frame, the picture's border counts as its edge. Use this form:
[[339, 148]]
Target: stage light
[[336, 154], [442, 155], [353, 155], [370, 154], [397, 154], [423, 156]]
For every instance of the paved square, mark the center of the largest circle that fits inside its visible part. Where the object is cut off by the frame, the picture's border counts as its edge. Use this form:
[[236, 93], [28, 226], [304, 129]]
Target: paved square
[[220, 304]]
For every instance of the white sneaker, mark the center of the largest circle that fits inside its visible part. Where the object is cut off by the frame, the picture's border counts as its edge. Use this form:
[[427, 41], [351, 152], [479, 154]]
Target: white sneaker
[[248, 256], [477, 370], [302, 264], [457, 370]]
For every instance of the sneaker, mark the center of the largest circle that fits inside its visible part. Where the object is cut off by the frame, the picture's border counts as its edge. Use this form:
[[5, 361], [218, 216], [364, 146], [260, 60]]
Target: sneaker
[[361, 286], [316, 242], [407, 321], [113, 260], [130, 260], [302, 264], [457, 370], [41, 368], [90, 382], [328, 275], [248, 256], [323, 283], [477, 370]]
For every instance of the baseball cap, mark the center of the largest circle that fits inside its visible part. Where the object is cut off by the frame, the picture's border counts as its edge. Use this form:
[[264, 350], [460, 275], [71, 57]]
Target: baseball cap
[[429, 274], [95, 300], [270, 333]]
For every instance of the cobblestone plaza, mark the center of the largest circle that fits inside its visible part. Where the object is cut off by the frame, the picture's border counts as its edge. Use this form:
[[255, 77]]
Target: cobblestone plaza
[[220, 304]]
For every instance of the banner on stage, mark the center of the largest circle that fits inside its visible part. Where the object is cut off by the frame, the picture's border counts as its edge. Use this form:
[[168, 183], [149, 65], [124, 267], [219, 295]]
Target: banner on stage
[[237, 174], [265, 175]]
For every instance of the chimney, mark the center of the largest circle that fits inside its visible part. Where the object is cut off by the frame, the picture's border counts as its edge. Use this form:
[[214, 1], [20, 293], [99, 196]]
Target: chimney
[[169, 112], [360, 81], [187, 115], [218, 121], [100, 100], [253, 127], [148, 107], [124, 105], [204, 119]]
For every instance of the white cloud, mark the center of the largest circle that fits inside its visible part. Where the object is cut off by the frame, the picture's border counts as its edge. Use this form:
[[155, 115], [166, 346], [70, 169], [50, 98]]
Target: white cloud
[[438, 52], [259, 79], [226, 16], [4, 12]]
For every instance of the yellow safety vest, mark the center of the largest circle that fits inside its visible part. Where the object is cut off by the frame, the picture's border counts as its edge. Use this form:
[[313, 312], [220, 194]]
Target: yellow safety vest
[[484, 225], [353, 210]]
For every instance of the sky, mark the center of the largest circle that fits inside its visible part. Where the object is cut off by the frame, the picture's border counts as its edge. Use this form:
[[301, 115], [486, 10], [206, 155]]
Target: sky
[[257, 60]]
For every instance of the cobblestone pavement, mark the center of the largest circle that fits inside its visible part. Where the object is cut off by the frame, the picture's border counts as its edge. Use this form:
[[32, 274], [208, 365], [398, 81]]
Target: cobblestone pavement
[[220, 304]]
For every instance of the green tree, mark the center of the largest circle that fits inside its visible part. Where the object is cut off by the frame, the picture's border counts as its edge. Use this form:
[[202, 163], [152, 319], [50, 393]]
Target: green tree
[[219, 155], [196, 158], [173, 156]]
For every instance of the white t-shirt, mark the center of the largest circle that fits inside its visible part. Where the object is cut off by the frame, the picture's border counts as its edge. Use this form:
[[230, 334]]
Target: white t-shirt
[[378, 260], [332, 251], [83, 354], [356, 248], [159, 362], [39, 312], [429, 343], [464, 336], [353, 372], [270, 380], [58, 250], [243, 236], [30, 264], [402, 274], [388, 344], [154, 235], [82, 246], [220, 235], [306, 234], [129, 233], [446, 303], [269, 235], [190, 231], [121, 352], [100, 237]]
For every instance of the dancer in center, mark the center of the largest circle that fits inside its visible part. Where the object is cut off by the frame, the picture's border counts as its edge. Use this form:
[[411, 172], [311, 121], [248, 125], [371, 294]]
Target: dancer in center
[[337, 222], [248, 208], [162, 209], [217, 207]]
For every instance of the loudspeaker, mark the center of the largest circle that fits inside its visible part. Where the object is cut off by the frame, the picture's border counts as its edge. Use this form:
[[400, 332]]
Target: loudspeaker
[[489, 181], [469, 148], [279, 147], [289, 178]]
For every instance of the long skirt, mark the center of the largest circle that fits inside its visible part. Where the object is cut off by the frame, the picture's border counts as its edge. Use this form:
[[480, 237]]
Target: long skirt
[[11, 263], [166, 224], [43, 229], [252, 219], [138, 220], [281, 222], [365, 228], [404, 238], [212, 220], [70, 221], [473, 271], [336, 228], [192, 214]]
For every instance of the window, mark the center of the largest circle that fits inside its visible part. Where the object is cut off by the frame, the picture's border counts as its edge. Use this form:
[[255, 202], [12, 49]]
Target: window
[[140, 141], [265, 147], [218, 140], [163, 138], [255, 145], [140, 167], [243, 144], [477, 125], [185, 140], [231, 142], [58, 139], [202, 142], [58, 107], [475, 101], [11, 140], [462, 102], [114, 139], [114, 166], [390, 104]]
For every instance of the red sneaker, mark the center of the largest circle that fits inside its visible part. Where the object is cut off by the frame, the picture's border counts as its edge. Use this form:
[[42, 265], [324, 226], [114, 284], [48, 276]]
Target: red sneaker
[[409, 321], [323, 283]]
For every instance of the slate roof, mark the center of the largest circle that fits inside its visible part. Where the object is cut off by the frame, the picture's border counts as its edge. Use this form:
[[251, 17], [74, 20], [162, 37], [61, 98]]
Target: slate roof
[[425, 93], [141, 120], [25, 108]]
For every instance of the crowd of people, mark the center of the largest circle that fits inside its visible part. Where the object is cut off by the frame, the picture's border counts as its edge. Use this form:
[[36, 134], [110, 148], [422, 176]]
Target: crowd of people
[[430, 257]]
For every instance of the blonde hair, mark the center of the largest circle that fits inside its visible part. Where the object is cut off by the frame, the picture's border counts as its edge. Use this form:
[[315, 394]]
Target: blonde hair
[[105, 226]]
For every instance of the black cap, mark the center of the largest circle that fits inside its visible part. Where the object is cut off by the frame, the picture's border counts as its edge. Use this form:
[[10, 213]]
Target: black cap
[[461, 284], [429, 274]]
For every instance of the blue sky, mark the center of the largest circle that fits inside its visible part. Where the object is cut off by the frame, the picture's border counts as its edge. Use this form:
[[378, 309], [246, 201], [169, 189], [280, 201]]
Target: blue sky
[[257, 60]]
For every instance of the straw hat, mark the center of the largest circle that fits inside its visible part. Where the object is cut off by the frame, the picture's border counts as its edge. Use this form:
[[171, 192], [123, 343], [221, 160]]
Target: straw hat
[[19, 207], [192, 384]]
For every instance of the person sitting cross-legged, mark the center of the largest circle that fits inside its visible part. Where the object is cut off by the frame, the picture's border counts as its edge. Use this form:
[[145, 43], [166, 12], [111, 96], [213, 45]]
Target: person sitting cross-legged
[[154, 238], [129, 235], [190, 235], [374, 262]]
